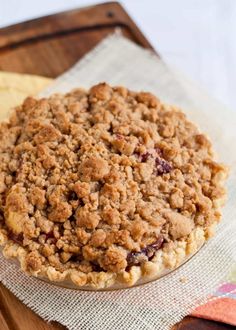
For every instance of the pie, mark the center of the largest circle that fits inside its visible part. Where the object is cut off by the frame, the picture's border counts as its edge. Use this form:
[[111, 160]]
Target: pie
[[105, 187]]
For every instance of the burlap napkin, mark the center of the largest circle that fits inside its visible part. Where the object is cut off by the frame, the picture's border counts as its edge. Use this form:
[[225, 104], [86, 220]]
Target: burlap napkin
[[162, 303]]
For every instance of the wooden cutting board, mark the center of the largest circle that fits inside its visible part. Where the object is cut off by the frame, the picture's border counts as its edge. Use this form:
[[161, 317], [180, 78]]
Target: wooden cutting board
[[48, 46]]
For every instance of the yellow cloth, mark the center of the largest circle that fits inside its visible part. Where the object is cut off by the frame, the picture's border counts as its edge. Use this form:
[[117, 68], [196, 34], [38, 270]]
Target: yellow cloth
[[15, 87]]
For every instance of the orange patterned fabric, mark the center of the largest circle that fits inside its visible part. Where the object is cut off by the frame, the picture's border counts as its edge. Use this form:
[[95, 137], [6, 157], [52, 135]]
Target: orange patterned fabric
[[221, 306]]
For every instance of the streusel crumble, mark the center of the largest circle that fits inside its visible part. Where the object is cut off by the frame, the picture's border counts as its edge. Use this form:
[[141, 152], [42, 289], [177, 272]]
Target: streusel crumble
[[105, 186]]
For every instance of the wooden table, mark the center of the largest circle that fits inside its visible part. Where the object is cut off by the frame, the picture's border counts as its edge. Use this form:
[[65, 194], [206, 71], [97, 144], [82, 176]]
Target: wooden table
[[48, 46]]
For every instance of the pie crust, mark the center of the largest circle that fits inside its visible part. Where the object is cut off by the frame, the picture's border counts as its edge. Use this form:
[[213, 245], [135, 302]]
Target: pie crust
[[105, 187]]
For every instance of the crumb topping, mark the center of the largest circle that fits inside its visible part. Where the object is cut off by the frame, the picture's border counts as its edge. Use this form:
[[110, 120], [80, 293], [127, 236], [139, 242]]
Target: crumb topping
[[100, 180]]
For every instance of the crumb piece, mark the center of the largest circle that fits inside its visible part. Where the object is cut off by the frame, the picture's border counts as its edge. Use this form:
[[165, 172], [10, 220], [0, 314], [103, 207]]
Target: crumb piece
[[37, 197], [183, 280], [33, 261], [114, 260], [87, 219], [61, 212], [180, 225], [93, 169]]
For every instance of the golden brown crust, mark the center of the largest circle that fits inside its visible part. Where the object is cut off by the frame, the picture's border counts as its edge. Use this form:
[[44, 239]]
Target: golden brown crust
[[104, 185]]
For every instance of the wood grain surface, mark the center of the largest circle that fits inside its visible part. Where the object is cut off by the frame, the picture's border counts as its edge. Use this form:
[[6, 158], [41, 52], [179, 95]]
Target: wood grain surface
[[16, 316], [48, 46]]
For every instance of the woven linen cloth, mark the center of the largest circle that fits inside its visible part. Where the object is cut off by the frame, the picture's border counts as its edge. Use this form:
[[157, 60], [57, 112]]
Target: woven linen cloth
[[160, 304]]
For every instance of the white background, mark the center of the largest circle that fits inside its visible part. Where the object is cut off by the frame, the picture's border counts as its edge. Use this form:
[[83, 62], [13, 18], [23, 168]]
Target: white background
[[196, 36]]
